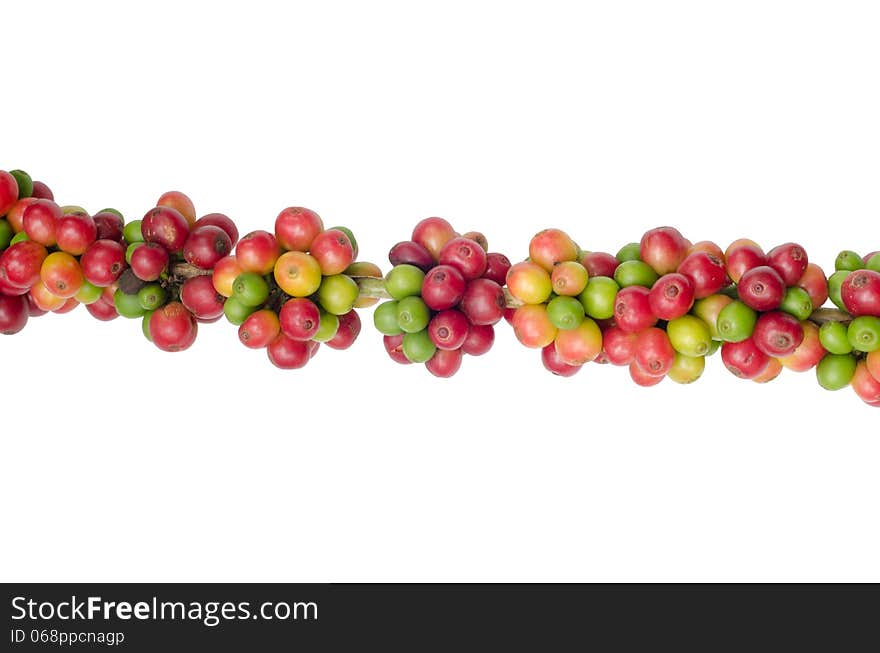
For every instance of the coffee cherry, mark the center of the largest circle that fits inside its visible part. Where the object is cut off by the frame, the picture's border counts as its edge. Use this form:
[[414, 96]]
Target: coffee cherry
[[443, 287], [464, 255], [866, 385], [742, 259], [743, 359], [205, 246], [448, 329], [250, 289], [333, 250], [565, 312], [569, 278], [736, 322], [151, 296], [599, 264], [347, 332], [834, 338], [529, 282], [860, 293], [13, 310], [225, 272], [40, 221], [20, 264], [394, 348], [385, 319], [663, 248], [8, 192], [690, 336], [259, 329], [629, 252], [258, 252], [778, 334], [287, 354], [61, 274], [632, 309], [552, 246], [872, 360], [409, 252], [200, 298], [74, 233], [88, 293], [479, 340], [761, 288], [297, 227], [299, 319], [864, 333], [533, 327], [179, 202], [433, 234], [808, 354], [873, 262], [328, 325], [44, 299], [835, 372], [298, 274], [686, 369], [128, 306], [789, 260], [404, 280], [110, 225], [797, 302], [444, 363], [672, 296], [635, 273], [412, 314], [835, 285], [497, 266], [654, 352], [165, 226], [619, 346], [483, 302], [104, 309], [642, 378], [705, 271], [236, 312], [149, 261], [816, 285], [554, 363], [417, 347], [337, 294], [848, 260], [598, 297], [581, 344]]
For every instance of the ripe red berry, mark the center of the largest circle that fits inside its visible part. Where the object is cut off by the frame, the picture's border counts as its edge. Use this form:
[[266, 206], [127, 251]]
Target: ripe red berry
[[333, 251], [394, 347], [201, 299], [777, 333], [600, 264], [861, 293], [40, 221], [443, 287], [554, 363], [296, 227], [75, 232], [347, 332], [173, 328], [642, 378], [444, 363], [619, 346], [104, 309], [259, 329], [288, 354], [181, 203], [20, 264], [448, 329], [42, 191], [8, 192], [705, 271], [206, 245], [257, 252], [653, 352], [815, 283], [109, 226], [551, 246], [761, 288], [13, 314], [789, 260], [165, 226], [497, 266], [149, 261], [433, 234], [632, 309], [744, 359], [483, 302], [466, 256], [743, 258], [411, 253], [479, 339], [866, 386], [300, 318], [671, 296], [219, 220], [663, 248]]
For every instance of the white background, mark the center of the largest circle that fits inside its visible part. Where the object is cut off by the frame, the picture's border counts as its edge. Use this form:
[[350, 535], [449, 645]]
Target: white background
[[120, 462]]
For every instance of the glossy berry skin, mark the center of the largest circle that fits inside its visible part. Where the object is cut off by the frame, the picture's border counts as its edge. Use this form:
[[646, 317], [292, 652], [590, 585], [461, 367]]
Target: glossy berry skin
[[815, 283], [404, 280], [619, 346], [705, 271], [466, 256], [866, 385], [744, 359], [225, 273], [497, 266], [259, 329], [632, 309], [201, 299], [288, 354], [790, 261], [165, 226], [433, 234], [110, 226], [394, 348], [257, 252], [860, 293], [333, 251], [219, 220], [61, 274], [13, 314], [529, 282], [8, 192], [42, 191], [479, 340], [181, 203], [409, 252], [43, 299], [663, 248], [483, 302], [104, 309], [300, 318], [671, 296], [742, 259], [581, 344], [74, 233], [653, 352], [448, 329], [149, 261], [296, 227], [40, 221], [444, 363], [296, 273], [599, 264], [569, 278], [772, 371], [808, 354], [835, 372], [778, 334], [205, 246], [443, 287], [15, 215], [873, 362], [642, 378], [20, 264], [554, 363], [761, 288], [551, 246], [348, 331], [533, 327], [686, 369], [173, 328]]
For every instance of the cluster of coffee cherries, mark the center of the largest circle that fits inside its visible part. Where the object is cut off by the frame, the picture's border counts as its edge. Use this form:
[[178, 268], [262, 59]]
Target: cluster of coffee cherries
[[446, 296], [291, 290]]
